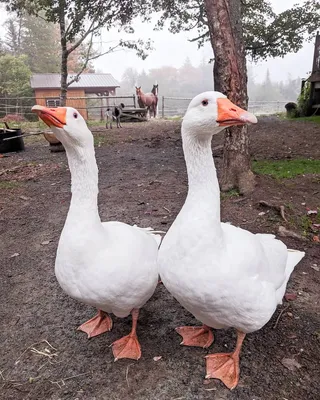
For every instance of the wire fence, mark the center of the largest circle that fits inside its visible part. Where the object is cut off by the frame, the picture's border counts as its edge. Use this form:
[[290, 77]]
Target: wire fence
[[177, 106], [93, 107]]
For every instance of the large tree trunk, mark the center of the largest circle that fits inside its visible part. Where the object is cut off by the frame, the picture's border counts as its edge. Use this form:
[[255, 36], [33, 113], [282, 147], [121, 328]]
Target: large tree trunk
[[230, 78]]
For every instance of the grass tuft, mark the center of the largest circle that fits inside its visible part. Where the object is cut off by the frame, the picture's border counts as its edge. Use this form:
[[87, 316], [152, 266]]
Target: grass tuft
[[286, 168], [8, 184], [229, 194]]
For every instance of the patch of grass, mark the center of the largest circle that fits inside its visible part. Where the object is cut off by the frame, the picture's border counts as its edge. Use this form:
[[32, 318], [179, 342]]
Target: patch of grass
[[305, 223], [30, 126], [92, 122], [229, 194], [286, 168], [174, 118], [314, 119], [102, 139], [8, 184]]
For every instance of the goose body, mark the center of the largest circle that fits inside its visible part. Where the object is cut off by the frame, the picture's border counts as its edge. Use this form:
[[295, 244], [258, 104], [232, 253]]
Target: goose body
[[111, 266], [236, 282], [224, 275]]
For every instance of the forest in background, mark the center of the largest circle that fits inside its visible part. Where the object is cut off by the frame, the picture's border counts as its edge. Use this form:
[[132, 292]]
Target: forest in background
[[27, 52], [190, 80]]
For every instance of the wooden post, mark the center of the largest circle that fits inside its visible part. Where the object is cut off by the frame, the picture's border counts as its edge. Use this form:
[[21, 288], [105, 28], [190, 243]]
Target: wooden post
[[101, 109], [134, 101], [162, 105]]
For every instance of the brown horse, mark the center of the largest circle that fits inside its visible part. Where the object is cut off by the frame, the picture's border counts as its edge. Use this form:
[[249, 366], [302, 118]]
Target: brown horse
[[148, 100]]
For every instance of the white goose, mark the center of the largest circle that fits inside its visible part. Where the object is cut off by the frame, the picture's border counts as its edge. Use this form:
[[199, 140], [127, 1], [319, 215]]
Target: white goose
[[225, 276], [111, 266]]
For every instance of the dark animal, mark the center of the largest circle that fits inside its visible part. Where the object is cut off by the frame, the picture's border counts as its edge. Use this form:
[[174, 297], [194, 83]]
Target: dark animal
[[114, 113]]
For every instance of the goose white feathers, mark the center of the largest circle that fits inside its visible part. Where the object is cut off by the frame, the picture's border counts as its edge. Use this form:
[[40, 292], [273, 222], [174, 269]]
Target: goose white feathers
[[224, 275], [111, 266]]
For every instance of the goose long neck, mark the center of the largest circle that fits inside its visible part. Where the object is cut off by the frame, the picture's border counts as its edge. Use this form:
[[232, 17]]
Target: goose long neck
[[204, 191], [84, 182]]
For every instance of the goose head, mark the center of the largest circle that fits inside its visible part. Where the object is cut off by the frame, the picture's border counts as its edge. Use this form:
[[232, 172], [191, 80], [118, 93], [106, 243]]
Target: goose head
[[210, 112], [67, 124]]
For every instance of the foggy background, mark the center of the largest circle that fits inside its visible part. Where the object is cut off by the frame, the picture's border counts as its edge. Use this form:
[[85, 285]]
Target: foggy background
[[183, 70]]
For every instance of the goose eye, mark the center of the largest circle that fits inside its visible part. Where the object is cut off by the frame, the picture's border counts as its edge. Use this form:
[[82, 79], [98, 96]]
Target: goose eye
[[204, 102], [75, 115]]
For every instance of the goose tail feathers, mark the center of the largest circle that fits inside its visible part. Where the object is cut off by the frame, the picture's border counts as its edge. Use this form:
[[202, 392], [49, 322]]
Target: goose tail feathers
[[294, 257], [155, 234]]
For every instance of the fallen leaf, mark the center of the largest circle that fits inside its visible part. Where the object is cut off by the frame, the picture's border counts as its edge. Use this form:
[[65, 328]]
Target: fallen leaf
[[261, 213], [312, 212], [316, 239], [157, 358], [46, 242], [290, 314], [24, 198], [290, 296], [290, 363], [15, 255], [315, 267]]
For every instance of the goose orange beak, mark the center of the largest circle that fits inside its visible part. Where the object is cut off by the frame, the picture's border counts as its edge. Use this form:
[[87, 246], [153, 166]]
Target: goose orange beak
[[229, 114], [51, 116]]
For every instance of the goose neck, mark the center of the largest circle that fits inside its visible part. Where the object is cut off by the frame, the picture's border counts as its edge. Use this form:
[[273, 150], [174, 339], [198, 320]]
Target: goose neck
[[203, 191]]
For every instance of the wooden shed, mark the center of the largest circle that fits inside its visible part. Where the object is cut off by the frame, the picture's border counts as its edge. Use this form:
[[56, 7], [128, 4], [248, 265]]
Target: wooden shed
[[47, 89]]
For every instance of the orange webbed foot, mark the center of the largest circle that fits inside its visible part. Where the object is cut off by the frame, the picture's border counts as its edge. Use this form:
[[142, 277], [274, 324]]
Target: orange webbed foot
[[196, 336], [97, 325], [127, 347], [225, 367]]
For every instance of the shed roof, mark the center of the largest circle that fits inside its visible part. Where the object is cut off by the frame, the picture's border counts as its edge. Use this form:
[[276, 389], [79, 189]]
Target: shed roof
[[52, 81]]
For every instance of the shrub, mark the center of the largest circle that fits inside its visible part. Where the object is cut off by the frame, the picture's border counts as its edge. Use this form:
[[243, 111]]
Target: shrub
[[292, 110], [304, 100]]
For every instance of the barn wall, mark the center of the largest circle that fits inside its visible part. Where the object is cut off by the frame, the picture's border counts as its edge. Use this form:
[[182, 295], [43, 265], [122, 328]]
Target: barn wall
[[80, 104]]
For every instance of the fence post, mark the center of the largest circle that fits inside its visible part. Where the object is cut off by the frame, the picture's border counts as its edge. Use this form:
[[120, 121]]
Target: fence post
[[101, 109], [134, 101], [162, 107]]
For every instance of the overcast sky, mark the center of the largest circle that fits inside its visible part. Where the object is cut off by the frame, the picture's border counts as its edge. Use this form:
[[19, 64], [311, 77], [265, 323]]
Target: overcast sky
[[172, 50]]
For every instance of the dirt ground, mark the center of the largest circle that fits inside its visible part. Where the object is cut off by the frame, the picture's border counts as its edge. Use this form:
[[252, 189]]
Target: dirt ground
[[143, 181]]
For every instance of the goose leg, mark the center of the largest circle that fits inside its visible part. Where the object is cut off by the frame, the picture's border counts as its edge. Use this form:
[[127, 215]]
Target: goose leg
[[128, 346], [198, 336], [225, 366], [101, 323]]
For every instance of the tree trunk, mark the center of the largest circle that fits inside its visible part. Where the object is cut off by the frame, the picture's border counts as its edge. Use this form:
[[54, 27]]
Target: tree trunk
[[230, 78], [64, 59]]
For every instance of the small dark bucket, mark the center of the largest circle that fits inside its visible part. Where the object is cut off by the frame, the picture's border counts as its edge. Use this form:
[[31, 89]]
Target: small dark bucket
[[7, 146]]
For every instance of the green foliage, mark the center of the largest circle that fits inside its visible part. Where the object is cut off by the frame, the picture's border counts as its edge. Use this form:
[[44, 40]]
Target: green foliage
[[314, 118], [266, 33], [83, 18], [40, 42], [286, 168], [231, 193], [35, 38], [304, 100], [14, 76]]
